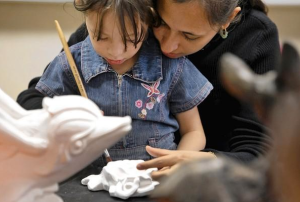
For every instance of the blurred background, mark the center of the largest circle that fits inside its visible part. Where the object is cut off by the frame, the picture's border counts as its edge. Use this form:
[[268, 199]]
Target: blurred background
[[29, 40]]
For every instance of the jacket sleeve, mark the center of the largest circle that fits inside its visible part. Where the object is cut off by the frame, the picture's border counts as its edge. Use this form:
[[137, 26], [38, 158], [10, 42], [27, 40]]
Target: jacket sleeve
[[31, 98], [188, 88]]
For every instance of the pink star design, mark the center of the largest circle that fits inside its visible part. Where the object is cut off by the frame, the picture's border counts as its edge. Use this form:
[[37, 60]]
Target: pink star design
[[152, 89]]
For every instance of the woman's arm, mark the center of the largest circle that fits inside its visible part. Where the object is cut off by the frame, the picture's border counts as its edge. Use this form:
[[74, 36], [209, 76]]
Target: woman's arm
[[249, 137], [191, 130]]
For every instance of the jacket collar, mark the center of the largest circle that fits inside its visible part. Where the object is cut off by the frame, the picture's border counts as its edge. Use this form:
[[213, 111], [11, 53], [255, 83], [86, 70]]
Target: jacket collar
[[147, 68]]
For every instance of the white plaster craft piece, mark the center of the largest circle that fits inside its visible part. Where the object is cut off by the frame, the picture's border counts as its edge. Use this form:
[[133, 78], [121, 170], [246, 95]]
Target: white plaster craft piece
[[39, 148], [121, 179]]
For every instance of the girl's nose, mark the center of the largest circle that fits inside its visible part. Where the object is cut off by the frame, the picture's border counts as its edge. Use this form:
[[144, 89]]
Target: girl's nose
[[115, 49]]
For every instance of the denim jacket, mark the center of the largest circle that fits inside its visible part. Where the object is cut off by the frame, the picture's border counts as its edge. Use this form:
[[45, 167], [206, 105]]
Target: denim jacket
[[151, 93]]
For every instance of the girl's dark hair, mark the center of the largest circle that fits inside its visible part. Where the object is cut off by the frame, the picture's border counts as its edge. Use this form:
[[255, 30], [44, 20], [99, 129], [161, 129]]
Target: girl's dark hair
[[219, 11], [136, 11]]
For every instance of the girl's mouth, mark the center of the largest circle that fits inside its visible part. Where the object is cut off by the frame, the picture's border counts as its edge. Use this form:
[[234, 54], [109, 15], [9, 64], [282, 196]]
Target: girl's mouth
[[115, 62]]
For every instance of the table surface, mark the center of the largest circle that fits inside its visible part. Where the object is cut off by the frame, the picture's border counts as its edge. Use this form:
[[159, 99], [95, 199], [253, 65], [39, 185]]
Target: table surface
[[71, 190]]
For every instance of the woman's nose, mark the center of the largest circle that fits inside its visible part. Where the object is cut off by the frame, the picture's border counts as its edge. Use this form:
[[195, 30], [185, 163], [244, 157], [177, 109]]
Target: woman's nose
[[169, 43]]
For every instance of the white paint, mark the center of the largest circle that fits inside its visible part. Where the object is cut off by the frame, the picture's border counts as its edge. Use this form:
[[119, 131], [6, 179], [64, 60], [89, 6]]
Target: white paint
[[122, 179]]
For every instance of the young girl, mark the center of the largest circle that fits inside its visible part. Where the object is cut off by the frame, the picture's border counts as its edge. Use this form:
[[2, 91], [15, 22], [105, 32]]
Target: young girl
[[124, 73]]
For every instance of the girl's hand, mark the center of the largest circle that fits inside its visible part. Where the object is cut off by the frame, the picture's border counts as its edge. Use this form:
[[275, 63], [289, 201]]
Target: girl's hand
[[167, 161]]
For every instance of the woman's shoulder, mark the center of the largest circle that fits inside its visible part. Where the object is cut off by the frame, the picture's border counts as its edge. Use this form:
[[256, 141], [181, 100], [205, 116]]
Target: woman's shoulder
[[259, 19], [255, 39], [256, 21], [254, 31]]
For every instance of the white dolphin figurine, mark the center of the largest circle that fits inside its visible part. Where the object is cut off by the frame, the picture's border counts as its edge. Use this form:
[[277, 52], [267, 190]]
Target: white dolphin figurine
[[40, 148]]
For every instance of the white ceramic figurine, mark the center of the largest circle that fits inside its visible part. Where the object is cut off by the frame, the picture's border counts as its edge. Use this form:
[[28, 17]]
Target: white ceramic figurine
[[122, 179], [39, 148]]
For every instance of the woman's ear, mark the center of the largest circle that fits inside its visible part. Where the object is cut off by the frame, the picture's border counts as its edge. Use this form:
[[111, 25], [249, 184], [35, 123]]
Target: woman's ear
[[231, 17]]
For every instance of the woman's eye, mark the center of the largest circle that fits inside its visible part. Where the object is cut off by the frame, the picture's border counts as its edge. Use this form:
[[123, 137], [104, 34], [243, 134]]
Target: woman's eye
[[103, 38], [162, 23], [190, 38]]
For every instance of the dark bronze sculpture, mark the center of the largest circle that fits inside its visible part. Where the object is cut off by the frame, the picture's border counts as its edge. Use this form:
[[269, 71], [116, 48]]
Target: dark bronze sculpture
[[273, 178]]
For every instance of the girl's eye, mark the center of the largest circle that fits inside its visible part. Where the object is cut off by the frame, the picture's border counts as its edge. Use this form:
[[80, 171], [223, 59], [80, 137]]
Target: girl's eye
[[129, 40], [100, 38]]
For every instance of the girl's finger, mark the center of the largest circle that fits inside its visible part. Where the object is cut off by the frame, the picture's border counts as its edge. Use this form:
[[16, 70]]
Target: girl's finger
[[155, 152], [159, 162]]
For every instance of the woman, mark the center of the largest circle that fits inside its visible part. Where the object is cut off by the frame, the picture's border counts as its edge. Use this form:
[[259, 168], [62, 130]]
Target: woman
[[191, 28], [203, 30]]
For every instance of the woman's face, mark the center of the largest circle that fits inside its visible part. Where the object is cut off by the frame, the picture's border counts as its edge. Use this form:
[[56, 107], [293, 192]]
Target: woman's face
[[185, 28]]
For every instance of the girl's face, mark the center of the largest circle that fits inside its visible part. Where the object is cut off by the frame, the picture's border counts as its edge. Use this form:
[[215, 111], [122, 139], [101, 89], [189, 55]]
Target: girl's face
[[185, 28], [111, 46]]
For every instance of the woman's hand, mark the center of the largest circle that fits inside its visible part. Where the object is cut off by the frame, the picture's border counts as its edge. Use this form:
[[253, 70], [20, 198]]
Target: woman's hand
[[167, 161]]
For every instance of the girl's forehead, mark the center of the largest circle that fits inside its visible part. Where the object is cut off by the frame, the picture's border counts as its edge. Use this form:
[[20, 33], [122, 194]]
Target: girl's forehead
[[109, 21]]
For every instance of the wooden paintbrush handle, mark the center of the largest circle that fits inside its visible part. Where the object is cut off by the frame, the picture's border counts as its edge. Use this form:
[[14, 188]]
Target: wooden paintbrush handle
[[74, 68], [71, 60]]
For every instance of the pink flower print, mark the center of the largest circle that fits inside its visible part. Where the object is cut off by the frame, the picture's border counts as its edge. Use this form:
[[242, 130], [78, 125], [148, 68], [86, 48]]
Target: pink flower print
[[149, 105], [152, 89], [144, 112], [159, 97], [139, 103]]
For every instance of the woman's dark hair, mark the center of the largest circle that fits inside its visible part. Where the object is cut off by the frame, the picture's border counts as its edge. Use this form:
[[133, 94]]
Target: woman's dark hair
[[258, 5], [136, 11], [219, 11]]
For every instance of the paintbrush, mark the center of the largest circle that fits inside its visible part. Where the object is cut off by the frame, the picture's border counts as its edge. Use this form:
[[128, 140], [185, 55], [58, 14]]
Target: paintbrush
[[75, 72]]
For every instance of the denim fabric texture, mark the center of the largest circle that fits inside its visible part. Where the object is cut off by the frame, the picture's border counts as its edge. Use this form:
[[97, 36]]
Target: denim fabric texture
[[151, 93]]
